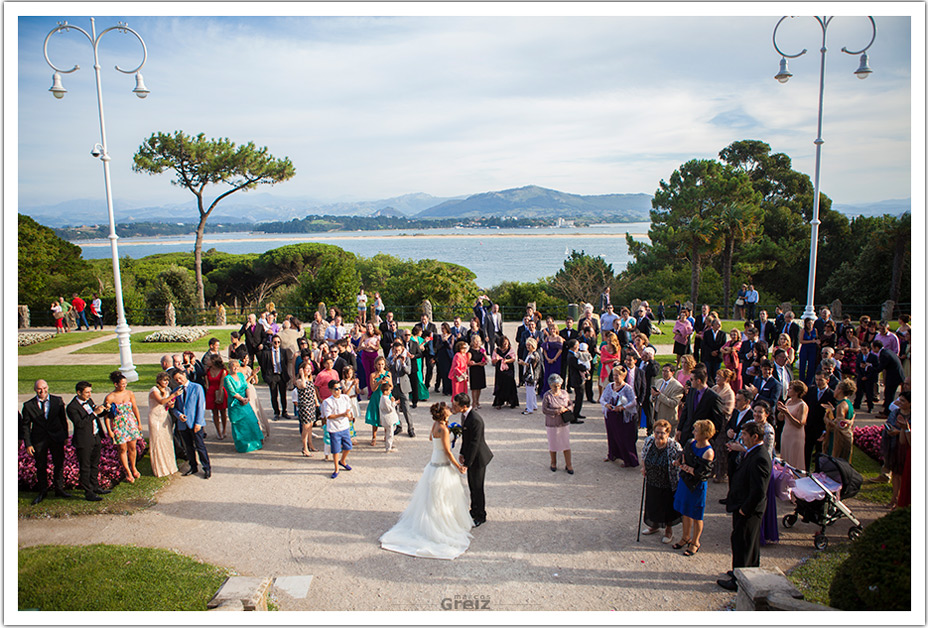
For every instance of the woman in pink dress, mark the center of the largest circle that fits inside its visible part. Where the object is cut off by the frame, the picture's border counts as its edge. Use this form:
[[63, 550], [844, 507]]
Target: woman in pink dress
[[608, 354], [460, 372], [369, 348], [732, 362]]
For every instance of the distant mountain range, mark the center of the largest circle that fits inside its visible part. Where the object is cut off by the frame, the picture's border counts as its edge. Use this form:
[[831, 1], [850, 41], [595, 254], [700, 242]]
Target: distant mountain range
[[525, 202]]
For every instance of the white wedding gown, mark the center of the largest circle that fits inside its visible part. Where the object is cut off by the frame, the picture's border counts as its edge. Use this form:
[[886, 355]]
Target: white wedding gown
[[436, 523]]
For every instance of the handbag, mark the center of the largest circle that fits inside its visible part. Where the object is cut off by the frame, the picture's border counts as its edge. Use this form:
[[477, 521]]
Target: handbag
[[739, 301], [568, 416]]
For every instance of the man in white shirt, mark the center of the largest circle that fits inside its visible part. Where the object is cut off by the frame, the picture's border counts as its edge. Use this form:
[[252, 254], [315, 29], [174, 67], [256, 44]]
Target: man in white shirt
[[335, 331], [96, 310], [750, 302], [608, 319], [337, 413]]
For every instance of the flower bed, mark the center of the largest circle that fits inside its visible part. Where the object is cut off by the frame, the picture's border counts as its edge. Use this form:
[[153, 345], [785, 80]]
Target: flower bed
[[111, 470], [27, 338], [177, 334], [870, 439]]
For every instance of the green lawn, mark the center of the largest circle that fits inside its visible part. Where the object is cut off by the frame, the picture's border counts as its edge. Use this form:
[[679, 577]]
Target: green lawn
[[114, 578], [868, 467], [62, 340], [813, 577], [125, 499], [61, 378], [199, 347]]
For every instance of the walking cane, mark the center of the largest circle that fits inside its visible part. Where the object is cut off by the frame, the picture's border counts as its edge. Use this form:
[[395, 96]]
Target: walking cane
[[644, 480]]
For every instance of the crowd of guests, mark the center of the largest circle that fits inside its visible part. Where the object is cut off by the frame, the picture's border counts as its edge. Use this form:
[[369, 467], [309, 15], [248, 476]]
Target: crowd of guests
[[71, 315]]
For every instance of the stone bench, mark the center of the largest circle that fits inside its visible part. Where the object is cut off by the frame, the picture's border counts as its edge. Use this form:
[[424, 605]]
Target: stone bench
[[766, 589]]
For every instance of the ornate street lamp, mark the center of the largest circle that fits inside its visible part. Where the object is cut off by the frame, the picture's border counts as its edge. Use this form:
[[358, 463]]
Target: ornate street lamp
[[99, 150], [862, 72]]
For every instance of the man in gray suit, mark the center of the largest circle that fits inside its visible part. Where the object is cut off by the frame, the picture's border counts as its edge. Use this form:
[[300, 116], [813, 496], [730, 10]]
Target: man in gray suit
[[666, 395], [400, 366]]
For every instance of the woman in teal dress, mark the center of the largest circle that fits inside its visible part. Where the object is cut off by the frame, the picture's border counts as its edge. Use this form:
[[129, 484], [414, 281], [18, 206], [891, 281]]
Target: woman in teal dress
[[421, 391], [372, 417], [246, 432]]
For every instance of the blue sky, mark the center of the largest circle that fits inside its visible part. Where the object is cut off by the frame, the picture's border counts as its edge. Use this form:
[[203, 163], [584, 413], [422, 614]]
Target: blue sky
[[373, 107]]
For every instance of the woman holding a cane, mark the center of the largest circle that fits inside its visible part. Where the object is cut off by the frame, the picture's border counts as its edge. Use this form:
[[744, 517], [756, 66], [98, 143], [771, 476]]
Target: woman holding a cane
[[661, 477]]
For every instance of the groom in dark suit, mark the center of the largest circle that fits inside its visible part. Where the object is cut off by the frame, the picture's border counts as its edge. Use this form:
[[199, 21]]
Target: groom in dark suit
[[89, 429], [475, 455]]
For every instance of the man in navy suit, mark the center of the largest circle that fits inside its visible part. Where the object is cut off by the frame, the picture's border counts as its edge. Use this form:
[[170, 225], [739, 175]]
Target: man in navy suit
[[791, 329], [766, 329], [190, 412], [484, 313], [768, 388], [701, 403], [867, 374]]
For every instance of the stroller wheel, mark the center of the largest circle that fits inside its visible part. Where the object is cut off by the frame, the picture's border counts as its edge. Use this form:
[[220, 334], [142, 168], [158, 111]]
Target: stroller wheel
[[790, 520], [820, 541], [854, 533]]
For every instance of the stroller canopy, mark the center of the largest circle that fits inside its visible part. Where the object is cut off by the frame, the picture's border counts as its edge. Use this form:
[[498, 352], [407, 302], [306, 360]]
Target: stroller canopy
[[840, 470]]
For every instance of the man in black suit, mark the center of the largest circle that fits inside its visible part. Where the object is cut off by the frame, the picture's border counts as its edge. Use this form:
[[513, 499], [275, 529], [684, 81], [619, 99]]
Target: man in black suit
[[569, 333], [648, 369], [867, 375], [274, 361], [575, 378], [713, 339], [791, 329], [746, 352], [475, 455], [784, 376], [387, 336], [699, 326], [45, 429], [746, 501], [484, 313], [739, 416], [89, 429], [890, 365], [701, 403], [815, 398], [385, 323], [768, 387], [531, 331], [766, 329], [253, 333]]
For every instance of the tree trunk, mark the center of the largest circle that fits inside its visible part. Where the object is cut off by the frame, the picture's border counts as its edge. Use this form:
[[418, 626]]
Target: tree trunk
[[697, 272], [727, 254], [198, 260]]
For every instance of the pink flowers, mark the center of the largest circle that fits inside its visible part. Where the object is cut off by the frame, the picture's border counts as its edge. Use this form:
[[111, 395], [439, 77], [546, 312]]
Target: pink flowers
[[111, 470], [870, 440]]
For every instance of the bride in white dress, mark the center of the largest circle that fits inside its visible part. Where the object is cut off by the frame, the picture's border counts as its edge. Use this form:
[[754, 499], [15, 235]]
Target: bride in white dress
[[436, 523]]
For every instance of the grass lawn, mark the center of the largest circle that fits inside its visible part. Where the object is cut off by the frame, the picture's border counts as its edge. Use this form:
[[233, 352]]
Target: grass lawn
[[868, 467], [114, 578], [813, 577], [125, 499], [199, 346], [62, 340], [61, 378]]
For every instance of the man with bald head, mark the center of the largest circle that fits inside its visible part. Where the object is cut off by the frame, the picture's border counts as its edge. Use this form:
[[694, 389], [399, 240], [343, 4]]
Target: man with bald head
[[45, 429]]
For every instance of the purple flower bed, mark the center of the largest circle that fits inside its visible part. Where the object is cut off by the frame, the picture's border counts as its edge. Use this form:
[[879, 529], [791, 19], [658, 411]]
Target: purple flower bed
[[870, 439], [111, 471]]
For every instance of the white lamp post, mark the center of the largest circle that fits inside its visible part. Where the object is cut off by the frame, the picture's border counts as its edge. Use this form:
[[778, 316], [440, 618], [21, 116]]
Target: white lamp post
[[99, 150], [784, 75]]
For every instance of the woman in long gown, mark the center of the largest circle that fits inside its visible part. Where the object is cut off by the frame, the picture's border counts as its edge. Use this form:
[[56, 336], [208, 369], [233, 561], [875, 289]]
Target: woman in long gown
[[443, 356], [216, 399], [477, 359], [504, 390], [123, 424], [436, 523], [161, 427], [246, 432], [377, 376], [418, 365], [552, 350], [794, 413], [459, 372], [839, 422], [620, 411], [369, 347], [252, 378]]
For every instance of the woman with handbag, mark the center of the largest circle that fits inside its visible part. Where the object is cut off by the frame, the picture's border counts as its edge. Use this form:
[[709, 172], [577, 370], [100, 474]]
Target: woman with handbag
[[556, 407], [459, 372], [58, 315], [690, 499], [216, 395], [620, 411]]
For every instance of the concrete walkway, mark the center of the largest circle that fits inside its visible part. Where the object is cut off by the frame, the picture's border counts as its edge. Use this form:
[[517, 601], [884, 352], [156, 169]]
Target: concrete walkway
[[552, 541]]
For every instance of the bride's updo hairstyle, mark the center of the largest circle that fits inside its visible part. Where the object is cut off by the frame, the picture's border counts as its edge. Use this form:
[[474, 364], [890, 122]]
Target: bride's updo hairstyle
[[438, 411]]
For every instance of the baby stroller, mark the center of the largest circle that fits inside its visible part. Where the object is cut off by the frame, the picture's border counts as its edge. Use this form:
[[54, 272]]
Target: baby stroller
[[817, 496]]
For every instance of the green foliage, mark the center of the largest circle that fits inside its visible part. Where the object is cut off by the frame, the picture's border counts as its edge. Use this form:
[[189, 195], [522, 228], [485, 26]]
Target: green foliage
[[814, 577], [49, 267], [322, 272], [198, 162], [877, 574], [172, 285], [407, 283], [517, 294], [114, 578], [582, 278]]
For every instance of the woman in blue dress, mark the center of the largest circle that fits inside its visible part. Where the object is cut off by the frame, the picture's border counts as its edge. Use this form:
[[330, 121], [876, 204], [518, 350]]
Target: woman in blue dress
[[246, 432], [808, 352], [690, 498], [552, 349]]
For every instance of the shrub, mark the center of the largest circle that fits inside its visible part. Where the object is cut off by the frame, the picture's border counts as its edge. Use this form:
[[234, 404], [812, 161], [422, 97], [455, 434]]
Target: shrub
[[111, 469], [870, 438], [27, 338], [877, 574], [177, 334]]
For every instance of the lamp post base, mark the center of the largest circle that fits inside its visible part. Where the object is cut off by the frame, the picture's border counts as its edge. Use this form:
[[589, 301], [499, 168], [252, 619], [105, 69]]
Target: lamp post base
[[809, 312], [125, 353]]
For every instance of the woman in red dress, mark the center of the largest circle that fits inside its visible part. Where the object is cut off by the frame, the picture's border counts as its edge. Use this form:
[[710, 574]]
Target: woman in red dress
[[216, 395], [459, 372], [731, 359]]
